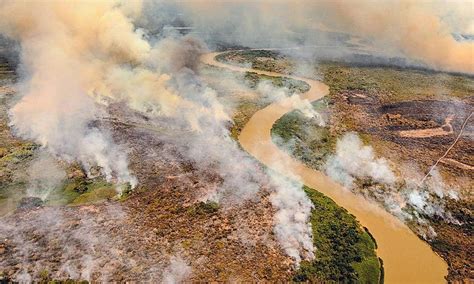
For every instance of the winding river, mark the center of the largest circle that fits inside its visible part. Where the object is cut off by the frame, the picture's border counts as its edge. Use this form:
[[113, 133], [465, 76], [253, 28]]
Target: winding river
[[406, 258]]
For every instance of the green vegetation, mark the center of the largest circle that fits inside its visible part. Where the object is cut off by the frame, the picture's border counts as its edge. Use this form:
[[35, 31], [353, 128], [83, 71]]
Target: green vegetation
[[267, 60], [45, 278], [96, 191], [391, 84], [303, 138], [16, 153], [14, 158], [79, 192], [74, 192], [394, 85], [201, 208], [345, 252], [249, 55], [294, 86]]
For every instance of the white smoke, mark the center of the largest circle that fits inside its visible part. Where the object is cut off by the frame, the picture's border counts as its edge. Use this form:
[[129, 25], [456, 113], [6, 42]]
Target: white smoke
[[177, 271], [404, 197], [56, 109], [45, 175], [328, 25], [80, 238], [282, 96], [438, 187], [23, 277], [292, 226], [355, 160], [81, 56], [427, 199]]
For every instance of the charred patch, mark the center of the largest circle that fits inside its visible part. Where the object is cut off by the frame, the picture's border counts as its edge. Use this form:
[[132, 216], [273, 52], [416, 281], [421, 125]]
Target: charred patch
[[427, 112]]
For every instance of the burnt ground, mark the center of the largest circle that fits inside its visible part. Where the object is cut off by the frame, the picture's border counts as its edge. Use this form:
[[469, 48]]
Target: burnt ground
[[385, 121], [431, 114], [163, 218], [135, 238], [380, 124]]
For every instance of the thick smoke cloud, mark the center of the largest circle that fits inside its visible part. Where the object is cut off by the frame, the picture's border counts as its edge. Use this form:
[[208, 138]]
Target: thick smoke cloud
[[432, 44], [419, 31], [79, 57], [62, 51]]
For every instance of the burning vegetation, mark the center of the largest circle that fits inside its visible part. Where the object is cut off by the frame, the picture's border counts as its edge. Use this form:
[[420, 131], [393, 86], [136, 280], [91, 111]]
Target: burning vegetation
[[385, 105], [119, 152]]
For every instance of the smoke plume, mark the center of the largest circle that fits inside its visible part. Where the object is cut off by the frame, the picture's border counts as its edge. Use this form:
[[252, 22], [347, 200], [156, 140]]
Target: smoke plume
[[64, 48], [177, 271], [354, 160], [283, 97], [419, 31], [403, 196], [80, 57], [432, 44], [43, 182], [292, 227]]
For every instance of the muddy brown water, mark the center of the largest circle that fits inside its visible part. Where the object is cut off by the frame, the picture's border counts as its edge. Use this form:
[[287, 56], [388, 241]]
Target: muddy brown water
[[406, 258]]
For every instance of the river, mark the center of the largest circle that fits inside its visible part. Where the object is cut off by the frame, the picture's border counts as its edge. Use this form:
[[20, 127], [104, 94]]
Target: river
[[406, 258]]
